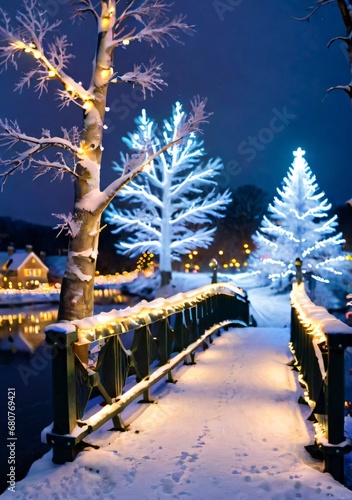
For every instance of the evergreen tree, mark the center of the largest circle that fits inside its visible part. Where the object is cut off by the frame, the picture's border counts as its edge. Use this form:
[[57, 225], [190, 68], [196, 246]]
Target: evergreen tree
[[173, 200], [296, 227]]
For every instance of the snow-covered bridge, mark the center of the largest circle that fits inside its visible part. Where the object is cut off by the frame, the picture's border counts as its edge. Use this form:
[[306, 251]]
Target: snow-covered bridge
[[230, 428]]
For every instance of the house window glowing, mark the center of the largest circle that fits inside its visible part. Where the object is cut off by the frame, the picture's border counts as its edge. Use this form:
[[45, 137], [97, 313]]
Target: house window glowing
[[33, 273]]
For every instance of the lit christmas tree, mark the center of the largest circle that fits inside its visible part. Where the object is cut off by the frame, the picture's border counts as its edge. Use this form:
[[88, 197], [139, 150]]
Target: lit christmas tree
[[296, 227], [174, 200]]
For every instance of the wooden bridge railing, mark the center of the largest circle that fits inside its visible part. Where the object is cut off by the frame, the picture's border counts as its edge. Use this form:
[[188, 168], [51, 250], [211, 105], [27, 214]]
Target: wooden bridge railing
[[95, 356], [320, 344]]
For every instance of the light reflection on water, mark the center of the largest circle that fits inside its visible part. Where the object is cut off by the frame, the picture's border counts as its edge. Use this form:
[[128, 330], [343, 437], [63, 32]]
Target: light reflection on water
[[25, 364], [22, 327]]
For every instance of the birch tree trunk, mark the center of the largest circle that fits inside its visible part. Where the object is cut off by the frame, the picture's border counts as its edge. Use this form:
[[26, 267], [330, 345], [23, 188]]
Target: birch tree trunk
[[77, 291]]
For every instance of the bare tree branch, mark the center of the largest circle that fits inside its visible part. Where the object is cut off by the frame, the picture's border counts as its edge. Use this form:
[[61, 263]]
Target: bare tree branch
[[83, 8], [345, 8], [29, 36], [148, 77], [313, 9], [155, 26], [12, 136]]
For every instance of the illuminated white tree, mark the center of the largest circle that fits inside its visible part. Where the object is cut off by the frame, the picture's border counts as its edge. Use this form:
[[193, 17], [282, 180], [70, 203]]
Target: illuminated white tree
[[78, 152], [296, 228], [173, 201]]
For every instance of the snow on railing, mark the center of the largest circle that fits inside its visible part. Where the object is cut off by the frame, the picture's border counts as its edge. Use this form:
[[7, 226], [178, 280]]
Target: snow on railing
[[118, 321], [319, 342]]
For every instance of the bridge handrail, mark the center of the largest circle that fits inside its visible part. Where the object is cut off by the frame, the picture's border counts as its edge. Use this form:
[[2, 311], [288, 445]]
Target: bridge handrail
[[318, 343], [145, 313], [159, 329]]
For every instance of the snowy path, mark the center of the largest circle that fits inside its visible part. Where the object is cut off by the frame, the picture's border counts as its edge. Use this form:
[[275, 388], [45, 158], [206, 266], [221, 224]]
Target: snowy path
[[230, 428]]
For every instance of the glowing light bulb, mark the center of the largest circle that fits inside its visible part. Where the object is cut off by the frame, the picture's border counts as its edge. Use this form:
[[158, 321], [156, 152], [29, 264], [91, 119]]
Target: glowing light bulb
[[88, 106], [105, 73], [105, 23], [126, 42], [51, 73], [37, 54]]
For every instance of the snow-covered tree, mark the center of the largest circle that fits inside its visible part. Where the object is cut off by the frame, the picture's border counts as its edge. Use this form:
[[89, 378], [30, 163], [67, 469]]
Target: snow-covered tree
[[78, 152], [174, 200], [298, 226]]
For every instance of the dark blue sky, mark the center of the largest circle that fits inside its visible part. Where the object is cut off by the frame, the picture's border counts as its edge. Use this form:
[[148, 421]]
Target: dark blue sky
[[265, 77]]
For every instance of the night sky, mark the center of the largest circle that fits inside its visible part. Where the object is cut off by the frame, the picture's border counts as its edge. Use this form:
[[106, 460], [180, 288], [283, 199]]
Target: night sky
[[265, 76]]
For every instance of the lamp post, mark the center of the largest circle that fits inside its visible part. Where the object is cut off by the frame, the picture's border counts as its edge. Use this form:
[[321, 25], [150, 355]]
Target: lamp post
[[214, 265], [298, 263]]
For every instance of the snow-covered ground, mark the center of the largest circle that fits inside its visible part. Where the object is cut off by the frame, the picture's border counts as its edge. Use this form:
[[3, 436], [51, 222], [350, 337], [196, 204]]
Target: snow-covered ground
[[230, 428]]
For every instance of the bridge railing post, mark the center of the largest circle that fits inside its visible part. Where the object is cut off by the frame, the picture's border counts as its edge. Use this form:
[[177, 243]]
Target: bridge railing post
[[62, 337], [335, 405]]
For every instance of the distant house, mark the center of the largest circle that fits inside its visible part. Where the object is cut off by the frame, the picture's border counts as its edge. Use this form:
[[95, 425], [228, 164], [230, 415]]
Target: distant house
[[22, 269]]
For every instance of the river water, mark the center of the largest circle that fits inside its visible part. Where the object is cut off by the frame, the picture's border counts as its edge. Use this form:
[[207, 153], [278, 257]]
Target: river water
[[25, 366]]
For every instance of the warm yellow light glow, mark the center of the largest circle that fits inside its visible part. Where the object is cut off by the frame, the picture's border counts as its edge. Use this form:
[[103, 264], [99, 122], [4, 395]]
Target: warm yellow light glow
[[233, 260], [196, 267], [126, 42], [51, 73], [88, 106], [190, 256], [221, 252], [187, 265], [237, 264], [245, 245], [245, 264], [105, 73], [248, 251], [37, 54], [105, 22], [226, 266], [195, 252]]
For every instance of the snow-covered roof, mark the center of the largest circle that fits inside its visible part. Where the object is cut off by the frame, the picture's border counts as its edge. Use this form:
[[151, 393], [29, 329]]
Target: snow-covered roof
[[19, 259]]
